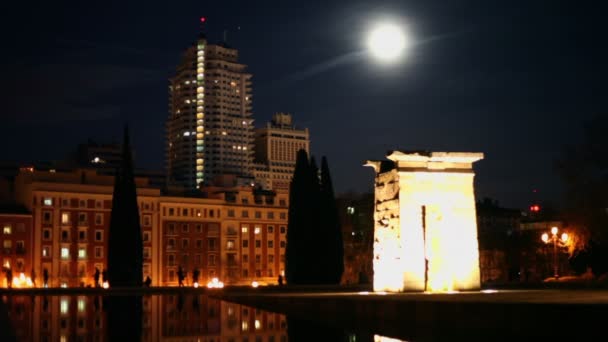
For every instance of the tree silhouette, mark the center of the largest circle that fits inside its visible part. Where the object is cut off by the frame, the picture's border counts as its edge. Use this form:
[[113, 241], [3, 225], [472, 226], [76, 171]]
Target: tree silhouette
[[331, 227], [583, 168], [125, 246], [314, 253]]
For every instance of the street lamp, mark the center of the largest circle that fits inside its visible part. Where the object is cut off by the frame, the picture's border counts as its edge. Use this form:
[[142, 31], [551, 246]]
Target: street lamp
[[554, 238]]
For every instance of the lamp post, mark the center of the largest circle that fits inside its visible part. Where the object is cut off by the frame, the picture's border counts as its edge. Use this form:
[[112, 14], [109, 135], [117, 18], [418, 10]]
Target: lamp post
[[556, 240]]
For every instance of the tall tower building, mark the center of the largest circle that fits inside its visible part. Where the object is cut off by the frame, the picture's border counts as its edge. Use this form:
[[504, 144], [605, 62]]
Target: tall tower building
[[276, 148], [210, 124]]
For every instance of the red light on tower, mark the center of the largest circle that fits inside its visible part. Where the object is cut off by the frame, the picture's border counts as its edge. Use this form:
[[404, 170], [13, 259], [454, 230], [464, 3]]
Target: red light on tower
[[203, 19], [535, 208]]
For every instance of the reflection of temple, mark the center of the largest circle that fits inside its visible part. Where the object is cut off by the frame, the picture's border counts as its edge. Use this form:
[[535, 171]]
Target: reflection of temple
[[165, 318]]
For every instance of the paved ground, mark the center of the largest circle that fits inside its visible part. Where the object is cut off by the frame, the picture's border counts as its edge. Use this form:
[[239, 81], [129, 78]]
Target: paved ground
[[547, 296], [502, 296]]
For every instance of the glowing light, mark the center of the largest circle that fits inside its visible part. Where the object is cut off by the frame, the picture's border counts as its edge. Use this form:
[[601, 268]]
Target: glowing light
[[489, 291], [379, 338], [22, 281], [554, 230], [203, 19], [545, 237], [195, 284], [106, 285], [564, 237], [254, 284], [387, 42], [215, 284]]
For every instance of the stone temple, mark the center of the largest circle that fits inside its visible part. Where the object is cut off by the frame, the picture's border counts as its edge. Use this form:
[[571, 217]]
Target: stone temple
[[425, 226]]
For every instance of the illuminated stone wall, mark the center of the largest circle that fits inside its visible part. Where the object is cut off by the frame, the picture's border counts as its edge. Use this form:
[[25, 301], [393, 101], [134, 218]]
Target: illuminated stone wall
[[425, 235]]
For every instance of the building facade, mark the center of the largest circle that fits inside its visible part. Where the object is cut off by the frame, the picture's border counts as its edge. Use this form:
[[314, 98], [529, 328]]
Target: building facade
[[234, 234], [17, 243], [210, 124], [276, 147]]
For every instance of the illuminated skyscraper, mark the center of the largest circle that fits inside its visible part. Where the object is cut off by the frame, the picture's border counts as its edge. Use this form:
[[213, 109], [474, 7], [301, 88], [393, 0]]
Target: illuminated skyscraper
[[210, 124]]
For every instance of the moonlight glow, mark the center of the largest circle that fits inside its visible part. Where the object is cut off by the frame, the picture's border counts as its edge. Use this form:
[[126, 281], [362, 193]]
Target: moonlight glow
[[387, 42]]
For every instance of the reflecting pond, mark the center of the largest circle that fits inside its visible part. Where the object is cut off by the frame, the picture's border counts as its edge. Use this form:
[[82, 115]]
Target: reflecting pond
[[196, 318]]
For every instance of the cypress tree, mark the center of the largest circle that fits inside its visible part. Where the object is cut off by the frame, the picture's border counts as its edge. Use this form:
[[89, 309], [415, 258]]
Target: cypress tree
[[332, 233], [125, 247], [295, 262], [317, 254]]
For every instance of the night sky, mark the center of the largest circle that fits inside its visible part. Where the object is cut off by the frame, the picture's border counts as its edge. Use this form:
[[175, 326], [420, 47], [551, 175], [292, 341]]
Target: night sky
[[513, 79]]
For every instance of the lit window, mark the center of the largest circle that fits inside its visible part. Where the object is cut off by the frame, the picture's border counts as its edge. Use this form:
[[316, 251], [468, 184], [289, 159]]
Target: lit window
[[46, 251], [48, 201], [244, 230], [65, 253], [81, 304], [230, 244], [244, 326], [257, 230], [82, 253], [65, 218], [7, 230], [64, 305]]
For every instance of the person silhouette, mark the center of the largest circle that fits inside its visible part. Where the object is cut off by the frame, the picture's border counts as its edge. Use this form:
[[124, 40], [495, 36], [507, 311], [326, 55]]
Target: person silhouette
[[96, 276]]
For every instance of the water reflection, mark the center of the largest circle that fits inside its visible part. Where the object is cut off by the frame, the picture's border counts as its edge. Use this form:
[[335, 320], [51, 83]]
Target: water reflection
[[156, 318], [115, 318]]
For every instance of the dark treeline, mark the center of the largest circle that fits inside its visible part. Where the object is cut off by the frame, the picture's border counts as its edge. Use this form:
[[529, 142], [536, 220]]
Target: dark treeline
[[583, 167], [315, 250]]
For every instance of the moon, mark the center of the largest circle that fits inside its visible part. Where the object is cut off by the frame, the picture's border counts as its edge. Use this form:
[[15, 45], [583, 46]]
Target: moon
[[387, 42]]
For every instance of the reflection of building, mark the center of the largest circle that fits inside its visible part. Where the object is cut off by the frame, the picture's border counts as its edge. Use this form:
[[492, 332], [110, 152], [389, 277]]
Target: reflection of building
[[210, 124], [165, 318], [276, 147], [237, 234]]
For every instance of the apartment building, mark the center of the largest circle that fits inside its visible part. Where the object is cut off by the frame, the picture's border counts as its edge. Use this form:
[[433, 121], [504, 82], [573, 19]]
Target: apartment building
[[234, 234]]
